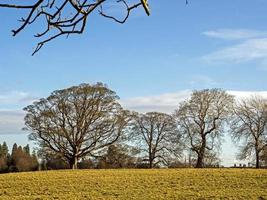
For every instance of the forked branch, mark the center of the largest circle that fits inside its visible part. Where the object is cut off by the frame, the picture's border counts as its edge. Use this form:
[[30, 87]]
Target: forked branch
[[65, 17]]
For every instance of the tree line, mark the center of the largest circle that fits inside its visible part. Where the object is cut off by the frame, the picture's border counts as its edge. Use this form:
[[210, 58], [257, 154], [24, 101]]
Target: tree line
[[85, 126], [20, 159]]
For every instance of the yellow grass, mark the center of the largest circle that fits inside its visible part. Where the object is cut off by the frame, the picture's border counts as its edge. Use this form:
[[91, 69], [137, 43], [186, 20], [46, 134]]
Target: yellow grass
[[136, 184]]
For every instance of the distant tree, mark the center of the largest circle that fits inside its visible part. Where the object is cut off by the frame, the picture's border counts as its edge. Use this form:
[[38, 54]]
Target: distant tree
[[4, 157], [4, 150], [249, 123], [34, 161], [157, 136], [14, 149], [86, 163], [201, 120], [12, 162], [66, 17], [19, 160], [22, 160], [51, 160], [77, 121], [211, 159], [117, 156], [26, 149], [3, 165], [263, 157]]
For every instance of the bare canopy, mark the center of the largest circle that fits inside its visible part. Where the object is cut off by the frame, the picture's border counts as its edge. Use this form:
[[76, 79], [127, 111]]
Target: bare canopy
[[201, 120], [65, 17], [157, 136], [249, 123], [77, 121]]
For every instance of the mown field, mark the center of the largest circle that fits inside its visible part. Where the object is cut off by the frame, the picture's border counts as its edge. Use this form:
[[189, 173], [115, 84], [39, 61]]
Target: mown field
[[136, 184]]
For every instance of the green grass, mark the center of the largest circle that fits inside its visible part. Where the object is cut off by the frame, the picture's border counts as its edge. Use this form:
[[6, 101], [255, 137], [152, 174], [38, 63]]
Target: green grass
[[136, 184]]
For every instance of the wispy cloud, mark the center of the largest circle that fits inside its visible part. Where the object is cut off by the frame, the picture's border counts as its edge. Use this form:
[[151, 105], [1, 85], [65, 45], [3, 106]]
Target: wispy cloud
[[247, 46], [11, 114], [247, 51], [15, 98], [248, 94], [11, 121], [203, 81], [235, 34]]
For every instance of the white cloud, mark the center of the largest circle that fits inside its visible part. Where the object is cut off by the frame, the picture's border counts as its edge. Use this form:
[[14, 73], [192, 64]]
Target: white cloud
[[11, 114], [162, 103], [168, 102], [15, 98], [11, 121], [249, 50], [235, 34], [247, 94]]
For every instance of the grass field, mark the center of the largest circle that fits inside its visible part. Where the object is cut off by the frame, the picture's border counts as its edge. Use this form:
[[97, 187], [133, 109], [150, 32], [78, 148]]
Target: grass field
[[136, 184]]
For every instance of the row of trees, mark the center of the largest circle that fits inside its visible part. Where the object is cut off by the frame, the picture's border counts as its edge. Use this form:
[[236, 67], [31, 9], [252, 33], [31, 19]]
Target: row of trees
[[19, 160], [83, 123]]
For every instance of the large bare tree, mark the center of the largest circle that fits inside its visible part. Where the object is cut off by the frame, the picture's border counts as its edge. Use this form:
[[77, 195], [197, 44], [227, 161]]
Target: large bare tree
[[77, 121], [65, 17], [249, 124], [201, 119], [157, 136]]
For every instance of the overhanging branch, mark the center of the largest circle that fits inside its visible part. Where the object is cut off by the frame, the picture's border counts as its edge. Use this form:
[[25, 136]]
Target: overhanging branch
[[65, 17]]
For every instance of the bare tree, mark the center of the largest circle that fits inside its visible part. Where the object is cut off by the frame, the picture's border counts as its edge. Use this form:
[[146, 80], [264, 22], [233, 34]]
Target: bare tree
[[248, 124], [77, 121], [157, 136], [201, 120], [65, 17]]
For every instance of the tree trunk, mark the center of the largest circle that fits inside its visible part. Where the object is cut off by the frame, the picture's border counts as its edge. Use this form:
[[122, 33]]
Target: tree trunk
[[200, 158], [150, 157], [257, 159], [150, 162], [200, 155], [73, 163]]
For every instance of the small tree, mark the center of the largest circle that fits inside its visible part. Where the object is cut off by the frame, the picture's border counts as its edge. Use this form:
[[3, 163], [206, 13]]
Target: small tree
[[263, 157], [249, 123], [77, 121], [117, 156], [157, 136], [51, 160], [201, 120], [4, 150], [21, 160], [12, 162], [4, 156], [26, 149]]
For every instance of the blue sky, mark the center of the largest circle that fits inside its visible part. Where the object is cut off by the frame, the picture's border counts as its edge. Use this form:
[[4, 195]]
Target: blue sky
[[151, 62]]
